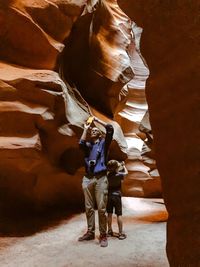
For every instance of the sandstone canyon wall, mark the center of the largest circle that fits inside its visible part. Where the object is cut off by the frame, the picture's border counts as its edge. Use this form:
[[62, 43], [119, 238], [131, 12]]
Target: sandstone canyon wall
[[171, 45], [102, 58], [35, 133], [61, 61]]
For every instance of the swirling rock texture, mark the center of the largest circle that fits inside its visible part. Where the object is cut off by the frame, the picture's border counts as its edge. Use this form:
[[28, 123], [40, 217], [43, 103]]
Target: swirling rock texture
[[170, 44], [60, 62], [36, 137], [94, 47], [41, 116], [102, 58]]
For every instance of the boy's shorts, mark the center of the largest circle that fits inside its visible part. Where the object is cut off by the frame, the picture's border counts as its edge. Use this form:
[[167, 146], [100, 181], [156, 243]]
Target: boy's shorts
[[114, 201]]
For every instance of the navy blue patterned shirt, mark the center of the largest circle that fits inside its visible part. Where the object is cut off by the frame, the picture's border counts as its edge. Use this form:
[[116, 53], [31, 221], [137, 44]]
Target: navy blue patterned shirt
[[96, 153]]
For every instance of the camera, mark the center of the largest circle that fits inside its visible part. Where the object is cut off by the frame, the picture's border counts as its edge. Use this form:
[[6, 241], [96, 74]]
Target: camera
[[92, 163]]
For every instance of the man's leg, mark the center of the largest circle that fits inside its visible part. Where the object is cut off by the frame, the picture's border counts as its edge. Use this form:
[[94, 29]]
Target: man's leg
[[88, 186], [101, 193]]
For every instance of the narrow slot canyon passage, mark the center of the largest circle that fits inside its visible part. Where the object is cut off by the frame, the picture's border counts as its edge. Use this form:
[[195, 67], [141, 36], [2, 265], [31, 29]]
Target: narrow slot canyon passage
[[132, 64], [57, 246]]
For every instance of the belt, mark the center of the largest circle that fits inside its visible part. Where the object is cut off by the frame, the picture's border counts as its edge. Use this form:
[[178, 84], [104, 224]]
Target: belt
[[95, 175]]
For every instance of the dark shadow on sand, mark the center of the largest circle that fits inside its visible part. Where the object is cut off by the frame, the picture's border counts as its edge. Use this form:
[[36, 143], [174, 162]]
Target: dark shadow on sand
[[26, 222]]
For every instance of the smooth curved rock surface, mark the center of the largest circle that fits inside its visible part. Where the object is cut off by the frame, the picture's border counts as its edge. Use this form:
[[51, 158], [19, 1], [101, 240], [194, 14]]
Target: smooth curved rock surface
[[32, 111], [102, 58], [41, 116], [49, 106], [39, 131], [96, 58], [170, 44], [29, 36]]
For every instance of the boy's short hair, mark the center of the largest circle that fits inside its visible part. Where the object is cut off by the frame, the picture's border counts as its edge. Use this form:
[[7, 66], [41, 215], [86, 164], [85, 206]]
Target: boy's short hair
[[113, 163]]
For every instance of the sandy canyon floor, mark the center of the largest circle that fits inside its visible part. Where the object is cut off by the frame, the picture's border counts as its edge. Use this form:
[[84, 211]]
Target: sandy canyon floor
[[57, 245]]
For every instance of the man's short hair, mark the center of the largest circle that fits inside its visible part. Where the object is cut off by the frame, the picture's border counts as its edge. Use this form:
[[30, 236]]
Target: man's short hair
[[99, 131]]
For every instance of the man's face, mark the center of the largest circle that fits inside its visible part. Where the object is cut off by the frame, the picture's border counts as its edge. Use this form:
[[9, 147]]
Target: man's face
[[95, 132]]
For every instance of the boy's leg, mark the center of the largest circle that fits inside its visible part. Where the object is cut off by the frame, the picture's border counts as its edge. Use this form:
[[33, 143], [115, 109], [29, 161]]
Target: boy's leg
[[109, 221], [110, 231], [122, 235], [118, 211], [109, 209], [120, 223]]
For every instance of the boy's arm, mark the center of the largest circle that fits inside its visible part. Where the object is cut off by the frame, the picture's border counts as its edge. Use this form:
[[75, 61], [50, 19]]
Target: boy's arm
[[123, 170]]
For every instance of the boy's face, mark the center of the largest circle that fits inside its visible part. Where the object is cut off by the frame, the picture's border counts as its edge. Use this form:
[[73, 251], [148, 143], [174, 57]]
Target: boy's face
[[113, 168]]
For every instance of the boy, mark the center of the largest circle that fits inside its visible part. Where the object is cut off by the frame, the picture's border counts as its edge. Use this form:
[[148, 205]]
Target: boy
[[116, 173]]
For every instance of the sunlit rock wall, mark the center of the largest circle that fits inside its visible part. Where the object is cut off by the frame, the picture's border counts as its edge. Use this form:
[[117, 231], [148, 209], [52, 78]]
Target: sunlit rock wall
[[41, 116], [32, 31], [143, 179], [39, 152], [171, 46], [102, 58], [33, 139], [61, 61]]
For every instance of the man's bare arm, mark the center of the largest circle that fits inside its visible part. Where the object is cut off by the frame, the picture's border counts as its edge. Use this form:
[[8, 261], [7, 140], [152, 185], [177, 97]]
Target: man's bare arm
[[85, 130], [100, 121]]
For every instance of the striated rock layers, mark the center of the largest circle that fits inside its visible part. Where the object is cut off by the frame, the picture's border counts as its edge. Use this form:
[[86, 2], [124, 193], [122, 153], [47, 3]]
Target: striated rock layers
[[61, 61], [32, 31], [33, 145], [39, 152], [171, 45], [42, 44], [102, 59]]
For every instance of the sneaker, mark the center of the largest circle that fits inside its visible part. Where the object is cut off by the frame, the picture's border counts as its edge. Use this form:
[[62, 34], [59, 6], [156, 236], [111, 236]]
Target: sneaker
[[103, 241], [110, 233], [121, 236], [87, 236]]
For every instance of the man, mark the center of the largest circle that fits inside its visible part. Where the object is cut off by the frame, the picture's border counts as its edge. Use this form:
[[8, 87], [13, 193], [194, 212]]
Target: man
[[95, 183]]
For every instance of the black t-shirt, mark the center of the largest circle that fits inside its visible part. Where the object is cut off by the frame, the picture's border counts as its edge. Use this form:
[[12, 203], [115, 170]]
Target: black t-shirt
[[114, 181]]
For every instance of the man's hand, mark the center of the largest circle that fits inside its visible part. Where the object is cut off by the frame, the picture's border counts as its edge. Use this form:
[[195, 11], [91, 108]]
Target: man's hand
[[86, 126], [85, 130], [90, 120]]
